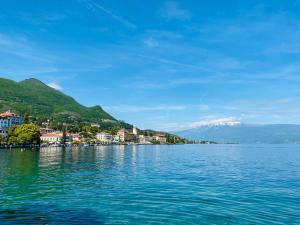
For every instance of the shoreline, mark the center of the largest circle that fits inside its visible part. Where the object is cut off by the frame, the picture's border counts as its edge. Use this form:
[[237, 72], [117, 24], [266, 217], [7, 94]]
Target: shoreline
[[82, 145]]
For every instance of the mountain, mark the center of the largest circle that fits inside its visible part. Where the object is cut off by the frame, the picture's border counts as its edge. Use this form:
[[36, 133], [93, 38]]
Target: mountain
[[33, 97], [42, 102], [245, 133]]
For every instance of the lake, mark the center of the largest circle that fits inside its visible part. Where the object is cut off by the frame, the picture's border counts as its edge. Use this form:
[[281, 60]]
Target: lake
[[176, 184]]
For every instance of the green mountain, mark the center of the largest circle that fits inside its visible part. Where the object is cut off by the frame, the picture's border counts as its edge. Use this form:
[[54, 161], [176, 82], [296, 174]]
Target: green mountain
[[42, 102]]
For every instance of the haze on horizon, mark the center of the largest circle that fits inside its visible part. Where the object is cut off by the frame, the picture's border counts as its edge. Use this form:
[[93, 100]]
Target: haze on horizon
[[164, 65]]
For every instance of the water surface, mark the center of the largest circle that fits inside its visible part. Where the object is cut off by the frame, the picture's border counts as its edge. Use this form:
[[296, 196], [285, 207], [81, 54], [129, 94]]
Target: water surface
[[184, 184]]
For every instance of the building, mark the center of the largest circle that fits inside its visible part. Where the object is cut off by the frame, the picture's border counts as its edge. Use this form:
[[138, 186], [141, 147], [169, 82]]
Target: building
[[104, 138], [144, 140], [76, 137], [116, 139], [52, 138], [95, 125], [122, 135], [134, 131], [4, 126], [128, 136], [161, 138], [148, 139], [4, 123], [8, 119], [12, 118], [46, 130]]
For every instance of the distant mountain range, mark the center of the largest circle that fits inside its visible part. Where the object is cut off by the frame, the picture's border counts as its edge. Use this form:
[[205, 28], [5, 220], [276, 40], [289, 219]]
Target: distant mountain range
[[245, 133]]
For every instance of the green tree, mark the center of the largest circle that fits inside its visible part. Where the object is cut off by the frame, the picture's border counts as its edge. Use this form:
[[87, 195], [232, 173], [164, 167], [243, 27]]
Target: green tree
[[64, 137], [86, 129], [94, 130], [155, 142], [172, 139], [113, 131], [2, 139], [26, 118], [24, 134]]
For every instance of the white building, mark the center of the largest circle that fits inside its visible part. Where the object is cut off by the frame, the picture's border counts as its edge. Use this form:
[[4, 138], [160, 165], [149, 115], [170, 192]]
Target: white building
[[95, 125], [134, 130], [52, 138], [104, 138], [116, 139], [144, 140]]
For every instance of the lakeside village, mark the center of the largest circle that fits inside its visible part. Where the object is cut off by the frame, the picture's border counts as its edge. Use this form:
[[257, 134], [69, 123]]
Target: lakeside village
[[15, 131]]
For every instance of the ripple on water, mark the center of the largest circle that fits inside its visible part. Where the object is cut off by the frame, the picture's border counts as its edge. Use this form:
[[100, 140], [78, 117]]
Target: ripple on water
[[188, 184]]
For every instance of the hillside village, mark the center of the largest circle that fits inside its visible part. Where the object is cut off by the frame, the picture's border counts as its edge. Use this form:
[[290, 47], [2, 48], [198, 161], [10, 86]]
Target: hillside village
[[94, 136]]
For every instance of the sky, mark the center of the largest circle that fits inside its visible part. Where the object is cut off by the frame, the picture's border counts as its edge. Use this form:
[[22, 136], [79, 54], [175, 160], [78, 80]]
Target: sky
[[164, 65]]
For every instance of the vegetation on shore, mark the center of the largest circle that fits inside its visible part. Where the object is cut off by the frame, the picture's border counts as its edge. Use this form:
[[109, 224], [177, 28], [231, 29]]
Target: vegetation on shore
[[24, 135]]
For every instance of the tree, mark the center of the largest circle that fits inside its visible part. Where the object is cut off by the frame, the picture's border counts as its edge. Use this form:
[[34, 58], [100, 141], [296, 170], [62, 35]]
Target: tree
[[64, 137], [172, 139], [86, 129], [2, 139], [113, 131], [26, 118], [74, 128], [155, 142], [24, 134], [94, 130]]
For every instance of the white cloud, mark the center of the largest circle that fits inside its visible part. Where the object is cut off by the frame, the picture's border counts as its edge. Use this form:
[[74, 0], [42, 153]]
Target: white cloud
[[96, 8], [55, 85], [174, 63], [171, 10], [227, 121]]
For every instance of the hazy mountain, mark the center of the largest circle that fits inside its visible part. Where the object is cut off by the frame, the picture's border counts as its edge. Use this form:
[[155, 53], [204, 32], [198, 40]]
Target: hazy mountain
[[245, 133]]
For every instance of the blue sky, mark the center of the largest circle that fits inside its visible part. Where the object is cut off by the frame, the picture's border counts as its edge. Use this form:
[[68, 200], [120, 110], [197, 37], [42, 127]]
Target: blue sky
[[165, 65]]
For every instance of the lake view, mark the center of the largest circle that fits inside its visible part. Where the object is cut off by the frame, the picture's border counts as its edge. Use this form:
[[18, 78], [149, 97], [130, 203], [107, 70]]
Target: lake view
[[167, 184]]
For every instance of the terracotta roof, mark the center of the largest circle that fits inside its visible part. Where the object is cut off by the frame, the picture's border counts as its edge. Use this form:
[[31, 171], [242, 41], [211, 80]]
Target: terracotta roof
[[8, 114], [55, 135]]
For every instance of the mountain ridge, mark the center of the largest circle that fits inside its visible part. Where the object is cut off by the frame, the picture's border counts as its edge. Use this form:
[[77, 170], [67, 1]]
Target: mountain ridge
[[42, 102], [245, 133]]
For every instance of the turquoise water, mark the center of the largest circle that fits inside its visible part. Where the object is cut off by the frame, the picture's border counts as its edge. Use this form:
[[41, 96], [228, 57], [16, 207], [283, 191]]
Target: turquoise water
[[184, 184]]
